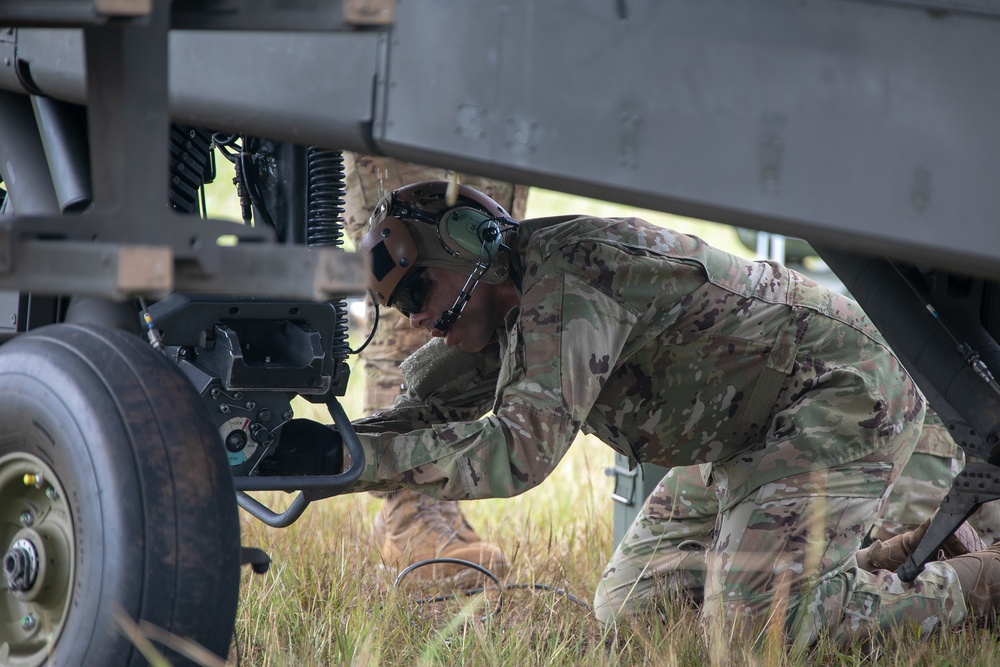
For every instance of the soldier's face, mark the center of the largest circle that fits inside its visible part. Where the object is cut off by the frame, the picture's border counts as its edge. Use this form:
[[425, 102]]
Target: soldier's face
[[481, 317]]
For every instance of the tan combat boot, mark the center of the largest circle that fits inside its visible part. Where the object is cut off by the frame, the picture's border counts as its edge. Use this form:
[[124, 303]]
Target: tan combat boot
[[412, 527], [979, 575], [891, 553]]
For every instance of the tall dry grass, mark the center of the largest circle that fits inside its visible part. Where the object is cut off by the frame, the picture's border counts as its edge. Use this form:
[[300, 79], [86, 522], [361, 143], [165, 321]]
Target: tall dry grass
[[327, 600]]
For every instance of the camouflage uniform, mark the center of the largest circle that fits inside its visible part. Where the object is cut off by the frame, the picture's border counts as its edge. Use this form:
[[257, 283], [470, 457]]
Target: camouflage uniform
[[662, 554], [925, 480], [675, 353]]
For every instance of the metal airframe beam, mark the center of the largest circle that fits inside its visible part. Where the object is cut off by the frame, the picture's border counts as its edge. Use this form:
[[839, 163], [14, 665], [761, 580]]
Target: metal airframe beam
[[860, 125], [128, 112], [867, 126]]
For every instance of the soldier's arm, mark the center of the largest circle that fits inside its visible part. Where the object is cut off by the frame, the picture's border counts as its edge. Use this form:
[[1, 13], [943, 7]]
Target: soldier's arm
[[567, 340]]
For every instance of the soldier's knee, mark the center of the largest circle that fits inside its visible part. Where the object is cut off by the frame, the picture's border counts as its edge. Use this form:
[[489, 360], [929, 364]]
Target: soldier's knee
[[630, 591], [612, 603]]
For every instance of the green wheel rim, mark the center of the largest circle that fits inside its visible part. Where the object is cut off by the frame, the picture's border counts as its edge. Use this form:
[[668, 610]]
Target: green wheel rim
[[36, 539]]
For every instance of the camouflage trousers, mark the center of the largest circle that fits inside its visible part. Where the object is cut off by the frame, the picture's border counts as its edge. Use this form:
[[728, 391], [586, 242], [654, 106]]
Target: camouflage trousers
[[784, 554], [923, 483]]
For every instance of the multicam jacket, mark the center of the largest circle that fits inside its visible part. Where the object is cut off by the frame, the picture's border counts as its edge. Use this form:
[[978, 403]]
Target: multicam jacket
[[669, 350]]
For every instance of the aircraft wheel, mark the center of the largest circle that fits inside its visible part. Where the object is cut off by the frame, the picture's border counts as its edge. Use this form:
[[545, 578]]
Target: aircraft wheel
[[115, 500]]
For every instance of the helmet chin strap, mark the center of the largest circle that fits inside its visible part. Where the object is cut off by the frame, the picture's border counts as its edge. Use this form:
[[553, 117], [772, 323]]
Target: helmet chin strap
[[450, 316]]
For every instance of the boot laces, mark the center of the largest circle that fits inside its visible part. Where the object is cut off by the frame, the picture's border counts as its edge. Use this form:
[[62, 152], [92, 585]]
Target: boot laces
[[434, 515]]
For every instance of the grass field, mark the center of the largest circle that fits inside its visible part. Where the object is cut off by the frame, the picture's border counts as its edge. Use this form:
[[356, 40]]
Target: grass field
[[327, 600]]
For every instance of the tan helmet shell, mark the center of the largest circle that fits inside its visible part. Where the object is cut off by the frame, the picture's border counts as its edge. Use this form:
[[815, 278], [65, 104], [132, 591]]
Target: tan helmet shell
[[389, 252]]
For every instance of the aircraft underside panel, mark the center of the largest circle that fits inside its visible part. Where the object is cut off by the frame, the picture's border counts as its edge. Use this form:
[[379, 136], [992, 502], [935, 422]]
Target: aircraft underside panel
[[860, 125], [866, 126]]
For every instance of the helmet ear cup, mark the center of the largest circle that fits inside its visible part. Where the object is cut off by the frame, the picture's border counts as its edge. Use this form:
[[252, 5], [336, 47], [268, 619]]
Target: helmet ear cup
[[469, 233]]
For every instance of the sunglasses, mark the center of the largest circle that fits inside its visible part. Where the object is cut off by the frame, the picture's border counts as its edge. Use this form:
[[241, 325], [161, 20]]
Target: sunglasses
[[412, 293]]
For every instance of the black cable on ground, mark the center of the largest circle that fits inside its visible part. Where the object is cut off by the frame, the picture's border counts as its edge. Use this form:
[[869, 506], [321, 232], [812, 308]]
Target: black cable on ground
[[475, 591]]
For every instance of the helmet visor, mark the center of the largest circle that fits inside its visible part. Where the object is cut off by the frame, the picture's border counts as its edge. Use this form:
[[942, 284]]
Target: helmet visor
[[411, 295]]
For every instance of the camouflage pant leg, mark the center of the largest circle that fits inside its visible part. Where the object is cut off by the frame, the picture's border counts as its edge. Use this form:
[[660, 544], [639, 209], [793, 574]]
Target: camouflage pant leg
[[932, 601], [917, 493], [780, 552], [383, 384], [383, 381], [662, 555], [925, 481], [394, 341], [785, 550], [786, 556]]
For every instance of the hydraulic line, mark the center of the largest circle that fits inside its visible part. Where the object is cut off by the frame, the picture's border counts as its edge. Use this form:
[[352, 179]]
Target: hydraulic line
[[63, 130]]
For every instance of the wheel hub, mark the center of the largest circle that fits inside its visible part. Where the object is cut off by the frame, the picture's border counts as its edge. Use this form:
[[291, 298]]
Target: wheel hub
[[36, 589], [20, 565]]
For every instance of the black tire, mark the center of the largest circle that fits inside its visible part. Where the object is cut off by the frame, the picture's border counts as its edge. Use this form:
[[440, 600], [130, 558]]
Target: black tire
[[153, 529]]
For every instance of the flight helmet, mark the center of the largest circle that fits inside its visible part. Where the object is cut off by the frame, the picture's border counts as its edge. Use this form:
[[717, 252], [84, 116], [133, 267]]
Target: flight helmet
[[434, 224]]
